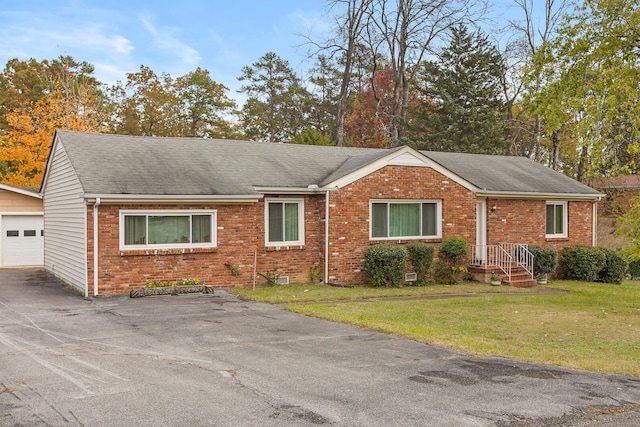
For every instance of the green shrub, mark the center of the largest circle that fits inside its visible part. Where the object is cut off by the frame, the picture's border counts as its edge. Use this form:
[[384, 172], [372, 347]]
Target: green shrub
[[271, 276], [634, 269], [615, 268], [384, 264], [453, 254], [454, 251], [544, 259], [421, 257], [447, 274], [582, 262]]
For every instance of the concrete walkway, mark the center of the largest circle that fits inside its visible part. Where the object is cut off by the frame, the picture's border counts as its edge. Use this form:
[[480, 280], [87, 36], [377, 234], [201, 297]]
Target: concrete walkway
[[203, 360]]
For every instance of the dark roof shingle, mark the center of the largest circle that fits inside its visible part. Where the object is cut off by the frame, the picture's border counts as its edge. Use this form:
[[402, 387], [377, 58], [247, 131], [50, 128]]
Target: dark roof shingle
[[130, 165]]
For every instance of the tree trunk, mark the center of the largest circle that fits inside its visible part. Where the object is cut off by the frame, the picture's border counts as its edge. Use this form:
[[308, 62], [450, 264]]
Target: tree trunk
[[555, 138]]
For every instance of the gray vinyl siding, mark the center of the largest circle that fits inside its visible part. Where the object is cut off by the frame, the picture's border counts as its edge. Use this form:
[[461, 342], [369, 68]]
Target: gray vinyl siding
[[65, 220]]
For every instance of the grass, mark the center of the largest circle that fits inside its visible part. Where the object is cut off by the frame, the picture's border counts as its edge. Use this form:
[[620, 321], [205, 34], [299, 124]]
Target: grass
[[320, 292], [593, 326]]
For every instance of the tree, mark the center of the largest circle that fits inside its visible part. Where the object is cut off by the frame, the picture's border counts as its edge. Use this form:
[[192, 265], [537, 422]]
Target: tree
[[193, 105], [147, 105], [203, 105], [538, 141], [311, 136], [324, 97], [277, 107], [405, 31], [463, 109], [630, 229], [21, 82], [72, 100], [348, 28], [368, 123], [590, 75]]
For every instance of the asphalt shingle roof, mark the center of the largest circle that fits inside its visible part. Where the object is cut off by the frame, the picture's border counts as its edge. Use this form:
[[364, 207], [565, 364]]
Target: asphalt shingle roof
[[119, 164], [509, 174]]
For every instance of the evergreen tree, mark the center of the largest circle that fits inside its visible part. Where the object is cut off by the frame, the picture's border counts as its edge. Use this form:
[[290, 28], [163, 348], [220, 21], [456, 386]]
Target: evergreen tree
[[325, 81], [277, 107], [204, 105], [463, 109]]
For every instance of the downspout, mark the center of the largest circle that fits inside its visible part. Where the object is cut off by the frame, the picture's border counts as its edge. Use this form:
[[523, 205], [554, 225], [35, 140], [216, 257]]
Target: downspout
[[594, 229], [326, 238], [95, 246]]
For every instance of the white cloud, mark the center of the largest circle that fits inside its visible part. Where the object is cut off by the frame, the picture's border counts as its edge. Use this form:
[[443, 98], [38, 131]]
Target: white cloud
[[27, 36], [94, 37], [109, 74], [310, 22], [167, 39]]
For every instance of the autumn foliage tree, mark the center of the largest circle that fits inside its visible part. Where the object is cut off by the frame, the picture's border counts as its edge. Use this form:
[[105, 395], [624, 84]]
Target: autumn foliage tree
[[368, 124], [71, 100]]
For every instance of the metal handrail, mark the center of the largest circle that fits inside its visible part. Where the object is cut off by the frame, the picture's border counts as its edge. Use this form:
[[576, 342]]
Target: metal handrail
[[502, 256], [521, 255]]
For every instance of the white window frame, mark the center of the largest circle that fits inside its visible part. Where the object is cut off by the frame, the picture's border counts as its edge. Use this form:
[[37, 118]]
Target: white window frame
[[147, 246], [565, 219], [437, 202], [300, 241]]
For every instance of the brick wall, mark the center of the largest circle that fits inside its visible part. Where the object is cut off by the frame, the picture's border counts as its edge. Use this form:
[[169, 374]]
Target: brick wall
[[524, 221], [240, 235], [349, 213]]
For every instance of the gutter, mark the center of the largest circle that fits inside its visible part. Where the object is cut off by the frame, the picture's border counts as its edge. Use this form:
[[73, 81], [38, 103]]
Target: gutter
[[326, 237], [545, 196], [594, 225], [311, 189], [163, 199], [95, 246]]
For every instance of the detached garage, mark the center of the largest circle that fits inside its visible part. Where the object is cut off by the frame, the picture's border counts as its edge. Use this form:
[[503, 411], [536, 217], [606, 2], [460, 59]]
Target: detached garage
[[22, 227]]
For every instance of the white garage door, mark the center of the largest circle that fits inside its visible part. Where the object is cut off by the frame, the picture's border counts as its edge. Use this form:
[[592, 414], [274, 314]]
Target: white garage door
[[22, 240]]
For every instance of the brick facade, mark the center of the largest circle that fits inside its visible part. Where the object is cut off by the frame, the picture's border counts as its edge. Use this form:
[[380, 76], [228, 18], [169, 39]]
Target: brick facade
[[240, 234], [349, 213], [524, 221], [240, 238]]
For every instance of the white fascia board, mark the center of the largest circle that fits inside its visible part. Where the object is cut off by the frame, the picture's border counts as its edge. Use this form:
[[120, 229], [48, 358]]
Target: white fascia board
[[421, 161], [540, 196], [20, 191], [294, 190], [164, 199]]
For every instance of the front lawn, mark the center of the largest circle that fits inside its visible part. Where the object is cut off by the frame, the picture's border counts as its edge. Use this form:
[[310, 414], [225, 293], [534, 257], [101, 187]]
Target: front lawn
[[593, 326]]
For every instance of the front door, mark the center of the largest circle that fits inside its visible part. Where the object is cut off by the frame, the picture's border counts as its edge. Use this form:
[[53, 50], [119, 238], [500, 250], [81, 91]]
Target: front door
[[481, 232]]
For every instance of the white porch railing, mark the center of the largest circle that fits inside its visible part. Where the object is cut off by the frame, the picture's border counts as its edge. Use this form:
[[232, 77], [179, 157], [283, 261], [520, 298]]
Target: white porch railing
[[502, 256]]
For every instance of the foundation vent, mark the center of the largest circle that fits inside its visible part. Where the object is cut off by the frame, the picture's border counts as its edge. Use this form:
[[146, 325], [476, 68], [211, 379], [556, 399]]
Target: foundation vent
[[410, 277], [283, 280]]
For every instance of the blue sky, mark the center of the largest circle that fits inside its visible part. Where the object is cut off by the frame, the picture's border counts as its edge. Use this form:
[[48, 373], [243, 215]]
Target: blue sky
[[176, 37]]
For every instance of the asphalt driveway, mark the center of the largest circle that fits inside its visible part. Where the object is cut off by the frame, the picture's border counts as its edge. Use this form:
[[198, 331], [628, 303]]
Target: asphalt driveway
[[204, 360]]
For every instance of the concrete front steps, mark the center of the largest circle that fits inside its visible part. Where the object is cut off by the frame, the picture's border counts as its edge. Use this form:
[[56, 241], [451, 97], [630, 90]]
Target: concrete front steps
[[520, 278]]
